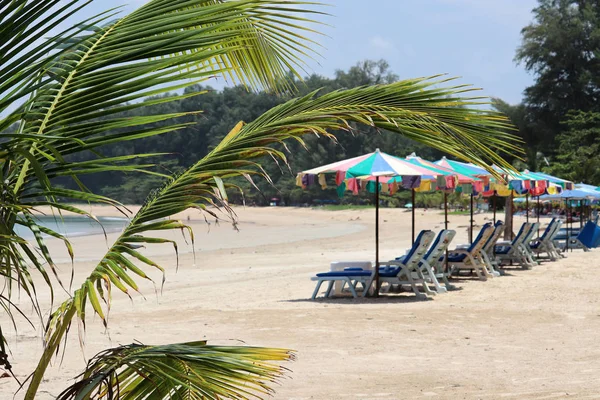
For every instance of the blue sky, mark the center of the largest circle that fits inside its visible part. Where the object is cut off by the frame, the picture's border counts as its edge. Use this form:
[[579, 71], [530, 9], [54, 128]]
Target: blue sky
[[472, 39]]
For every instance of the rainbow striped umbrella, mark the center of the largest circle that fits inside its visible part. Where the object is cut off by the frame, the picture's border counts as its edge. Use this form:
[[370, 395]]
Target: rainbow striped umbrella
[[377, 165]]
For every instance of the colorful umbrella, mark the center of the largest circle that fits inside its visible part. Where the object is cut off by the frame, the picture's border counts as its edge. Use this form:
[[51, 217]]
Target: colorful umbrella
[[469, 170], [377, 165]]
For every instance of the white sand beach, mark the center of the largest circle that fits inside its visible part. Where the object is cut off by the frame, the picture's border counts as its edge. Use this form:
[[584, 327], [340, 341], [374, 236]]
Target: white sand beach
[[531, 334]]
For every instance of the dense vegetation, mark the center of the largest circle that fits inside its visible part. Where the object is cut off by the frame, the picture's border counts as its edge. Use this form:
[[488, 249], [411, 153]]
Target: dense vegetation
[[561, 47], [557, 118], [223, 109]]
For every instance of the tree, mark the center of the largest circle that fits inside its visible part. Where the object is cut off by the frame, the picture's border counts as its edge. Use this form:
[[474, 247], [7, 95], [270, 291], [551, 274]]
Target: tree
[[528, 130], [561, 47], [68, 95], [579, 149]]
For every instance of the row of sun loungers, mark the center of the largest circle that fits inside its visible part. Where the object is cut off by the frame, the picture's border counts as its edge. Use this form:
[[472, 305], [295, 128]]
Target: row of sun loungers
[[426, 268]]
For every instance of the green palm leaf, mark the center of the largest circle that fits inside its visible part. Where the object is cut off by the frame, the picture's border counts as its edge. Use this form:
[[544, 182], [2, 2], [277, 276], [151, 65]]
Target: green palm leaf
[[183, 371]]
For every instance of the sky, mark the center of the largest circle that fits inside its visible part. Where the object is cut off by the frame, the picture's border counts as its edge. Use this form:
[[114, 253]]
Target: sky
[[472, 39]]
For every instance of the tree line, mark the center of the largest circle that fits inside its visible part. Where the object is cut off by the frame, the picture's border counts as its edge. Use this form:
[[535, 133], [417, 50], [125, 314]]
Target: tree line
[[558, 119]]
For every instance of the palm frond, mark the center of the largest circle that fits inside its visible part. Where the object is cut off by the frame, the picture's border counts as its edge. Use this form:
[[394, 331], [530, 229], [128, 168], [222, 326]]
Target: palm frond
[[183, 371], [438, 117], [161, 47]]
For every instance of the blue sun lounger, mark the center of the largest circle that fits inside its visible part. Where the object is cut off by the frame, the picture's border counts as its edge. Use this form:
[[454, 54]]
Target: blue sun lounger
[[353, 276], [516, 251], [545, 243], [471, 258]]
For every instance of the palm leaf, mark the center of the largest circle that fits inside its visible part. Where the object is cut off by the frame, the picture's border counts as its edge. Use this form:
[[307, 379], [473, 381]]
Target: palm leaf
[[436, 116], [191, 370]]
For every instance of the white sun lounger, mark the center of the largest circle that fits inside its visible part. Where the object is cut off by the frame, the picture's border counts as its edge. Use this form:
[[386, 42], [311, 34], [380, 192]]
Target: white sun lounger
[[470, 258], [390, 274], [545, 244], [515, 251], [488, 256], [434, 261], [407, 270]]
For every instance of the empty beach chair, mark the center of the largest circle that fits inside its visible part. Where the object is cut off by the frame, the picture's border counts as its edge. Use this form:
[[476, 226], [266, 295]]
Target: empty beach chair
[[431, 268], [434, 261], [470, 258], [488, 255], [407, 270], [529, 254], [514, 251], [545, 243], [392, 272]]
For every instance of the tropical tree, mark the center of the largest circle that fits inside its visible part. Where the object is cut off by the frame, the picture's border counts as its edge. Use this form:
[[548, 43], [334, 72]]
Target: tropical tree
[[560, 48], [63, 97]]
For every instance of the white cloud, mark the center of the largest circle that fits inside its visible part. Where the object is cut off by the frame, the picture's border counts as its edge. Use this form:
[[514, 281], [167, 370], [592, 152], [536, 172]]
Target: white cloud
[[381, 43]]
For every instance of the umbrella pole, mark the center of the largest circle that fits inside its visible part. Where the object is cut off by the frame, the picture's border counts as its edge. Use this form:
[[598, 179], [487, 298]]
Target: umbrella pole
[[527, 207], [413, 215], [471, 223], [376, 277], [446, 223], [494, 200], [567, 223], [512, 196], [580, 215], [539, 210]]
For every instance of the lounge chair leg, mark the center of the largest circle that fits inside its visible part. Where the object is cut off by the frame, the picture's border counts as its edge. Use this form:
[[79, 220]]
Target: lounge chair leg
[[328, 293], [433, 279], [319, 283], [351, 286], [414, 287]]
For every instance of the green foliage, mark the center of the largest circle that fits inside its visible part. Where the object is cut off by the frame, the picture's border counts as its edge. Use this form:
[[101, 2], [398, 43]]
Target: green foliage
[[222, 110], [561, 48], [579, 149], [76, 113], [183, 371]]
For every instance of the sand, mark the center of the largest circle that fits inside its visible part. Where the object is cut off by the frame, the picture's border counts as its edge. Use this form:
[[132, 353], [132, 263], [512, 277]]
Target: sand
[[527, 335]]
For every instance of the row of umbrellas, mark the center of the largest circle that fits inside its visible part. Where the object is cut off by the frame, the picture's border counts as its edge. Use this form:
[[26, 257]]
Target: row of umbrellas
[[379, 167]]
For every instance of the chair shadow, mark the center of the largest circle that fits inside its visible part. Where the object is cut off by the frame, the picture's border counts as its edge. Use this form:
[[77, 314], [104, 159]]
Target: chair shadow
[[383, 298]]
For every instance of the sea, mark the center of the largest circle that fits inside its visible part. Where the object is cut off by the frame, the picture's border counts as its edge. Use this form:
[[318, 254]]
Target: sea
[[70, 226]]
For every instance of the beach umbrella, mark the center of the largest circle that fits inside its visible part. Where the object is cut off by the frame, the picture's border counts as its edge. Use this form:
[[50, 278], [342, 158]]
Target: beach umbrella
[[380, 165], [468, 170], [569, 195], [462, 178], [376, 165]]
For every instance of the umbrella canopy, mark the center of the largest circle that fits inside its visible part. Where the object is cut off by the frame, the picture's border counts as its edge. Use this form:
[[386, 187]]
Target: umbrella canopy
[[586, 187], [337, 166], [575, 194], [462, 168], [382, 164], [462, 178], [565, 184]]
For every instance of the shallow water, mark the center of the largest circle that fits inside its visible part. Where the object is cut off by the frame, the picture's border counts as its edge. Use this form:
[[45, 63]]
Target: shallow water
[[75, 225]]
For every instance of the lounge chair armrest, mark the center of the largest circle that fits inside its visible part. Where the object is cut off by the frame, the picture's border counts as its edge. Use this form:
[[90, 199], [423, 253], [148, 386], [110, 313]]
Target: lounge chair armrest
[[463, 246], [394, 263], [459, 251], [503, 243]]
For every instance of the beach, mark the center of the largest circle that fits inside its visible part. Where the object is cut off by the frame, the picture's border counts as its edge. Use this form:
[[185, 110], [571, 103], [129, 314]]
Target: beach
[[530, 334]]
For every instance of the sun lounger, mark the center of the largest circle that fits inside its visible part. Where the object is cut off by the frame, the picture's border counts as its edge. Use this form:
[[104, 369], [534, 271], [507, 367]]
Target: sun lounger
[[350, 277], [470, 258], [545, 244], [531, 257], [431, 269], [434, 261], [391, 273], [515, 251], [487, 254], [407, 270]]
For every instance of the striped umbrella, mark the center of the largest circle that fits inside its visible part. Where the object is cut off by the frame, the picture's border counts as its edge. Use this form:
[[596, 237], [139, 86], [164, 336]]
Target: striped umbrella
[[465, 169], [376, 165]]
